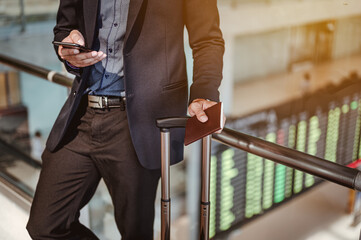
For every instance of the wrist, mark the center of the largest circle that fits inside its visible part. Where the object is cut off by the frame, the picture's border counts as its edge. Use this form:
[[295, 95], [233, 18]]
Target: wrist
[[71, 65]]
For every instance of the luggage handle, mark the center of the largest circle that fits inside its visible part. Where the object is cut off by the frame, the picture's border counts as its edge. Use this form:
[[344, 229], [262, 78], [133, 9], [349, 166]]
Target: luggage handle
[[205, 188], [171, 122], [180, 122], [165, 198]]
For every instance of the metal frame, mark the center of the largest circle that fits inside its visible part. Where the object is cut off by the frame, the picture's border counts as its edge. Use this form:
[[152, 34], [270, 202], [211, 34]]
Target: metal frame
[[165, 204], [41, 72], [205, 188], [165, 180]]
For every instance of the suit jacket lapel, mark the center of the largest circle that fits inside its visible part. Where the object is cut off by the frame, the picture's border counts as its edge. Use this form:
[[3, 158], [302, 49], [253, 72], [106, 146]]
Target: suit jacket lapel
[[134, 9], [90, 11], [90, 15]]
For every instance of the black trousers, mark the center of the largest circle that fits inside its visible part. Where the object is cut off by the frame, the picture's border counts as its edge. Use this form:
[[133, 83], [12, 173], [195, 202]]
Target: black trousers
[[97, 145]]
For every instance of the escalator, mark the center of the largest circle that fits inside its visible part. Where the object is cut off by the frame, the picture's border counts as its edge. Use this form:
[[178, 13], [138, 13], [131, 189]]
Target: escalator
[[18, 176]]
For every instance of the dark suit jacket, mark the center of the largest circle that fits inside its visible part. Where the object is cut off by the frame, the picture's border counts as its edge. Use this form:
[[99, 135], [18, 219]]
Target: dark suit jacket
[[154, 66]]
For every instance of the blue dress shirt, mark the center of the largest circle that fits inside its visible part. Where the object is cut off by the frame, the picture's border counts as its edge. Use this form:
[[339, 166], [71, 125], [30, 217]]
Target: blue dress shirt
[[107, 76]]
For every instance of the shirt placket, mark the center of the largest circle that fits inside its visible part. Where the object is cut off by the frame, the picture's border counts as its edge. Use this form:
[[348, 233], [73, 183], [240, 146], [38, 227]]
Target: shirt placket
[[110, 44]]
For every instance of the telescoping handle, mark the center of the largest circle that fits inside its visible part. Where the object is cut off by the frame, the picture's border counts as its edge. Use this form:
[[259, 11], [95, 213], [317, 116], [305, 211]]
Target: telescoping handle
[[164, 125], [165, 199], [205, 188]]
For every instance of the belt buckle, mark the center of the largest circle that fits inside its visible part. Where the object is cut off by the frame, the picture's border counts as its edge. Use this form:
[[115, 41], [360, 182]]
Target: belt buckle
[[96, 100], [105, 101]]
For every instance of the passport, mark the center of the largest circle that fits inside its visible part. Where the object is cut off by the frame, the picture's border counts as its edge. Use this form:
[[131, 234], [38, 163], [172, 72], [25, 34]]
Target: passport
[[196, 130]]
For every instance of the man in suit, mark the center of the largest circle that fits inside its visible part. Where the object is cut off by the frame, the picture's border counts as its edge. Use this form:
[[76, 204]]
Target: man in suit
[[135, 74]]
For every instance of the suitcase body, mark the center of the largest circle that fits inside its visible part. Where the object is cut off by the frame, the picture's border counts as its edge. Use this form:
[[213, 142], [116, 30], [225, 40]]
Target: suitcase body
[[165, 125]]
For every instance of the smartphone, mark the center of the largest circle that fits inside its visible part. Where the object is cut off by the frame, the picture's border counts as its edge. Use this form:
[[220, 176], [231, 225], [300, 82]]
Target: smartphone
[[72, 45]]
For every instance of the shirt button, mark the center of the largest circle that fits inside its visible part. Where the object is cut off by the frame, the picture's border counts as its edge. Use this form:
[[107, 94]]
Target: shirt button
[[110, 50], [106, 75], [115, 24]]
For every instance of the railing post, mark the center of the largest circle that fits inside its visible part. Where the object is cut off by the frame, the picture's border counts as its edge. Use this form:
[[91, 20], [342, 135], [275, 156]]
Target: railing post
[[205, 186], [165, 199], [22, 16]]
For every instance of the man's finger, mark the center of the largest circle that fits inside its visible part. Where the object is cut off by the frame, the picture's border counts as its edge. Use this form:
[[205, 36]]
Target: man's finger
[[204, 105], [78, 55], [68, 51], [91, 61], [85, 56], [201, 116], [76, 37], [196, 108], [86, 62]]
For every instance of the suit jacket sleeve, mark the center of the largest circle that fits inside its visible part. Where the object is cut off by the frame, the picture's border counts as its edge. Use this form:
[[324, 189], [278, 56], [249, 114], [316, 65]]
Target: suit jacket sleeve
[[66, 21], [205, 38]]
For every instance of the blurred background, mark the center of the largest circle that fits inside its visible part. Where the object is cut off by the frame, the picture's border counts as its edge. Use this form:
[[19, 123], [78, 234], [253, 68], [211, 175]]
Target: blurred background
[[292, 72]]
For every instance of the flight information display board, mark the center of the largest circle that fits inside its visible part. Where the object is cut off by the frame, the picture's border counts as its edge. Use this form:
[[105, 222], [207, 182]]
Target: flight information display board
[[243, 186]]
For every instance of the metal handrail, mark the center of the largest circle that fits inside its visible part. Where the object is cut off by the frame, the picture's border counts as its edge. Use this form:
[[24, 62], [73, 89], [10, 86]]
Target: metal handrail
[[41, 72], [316, 166]]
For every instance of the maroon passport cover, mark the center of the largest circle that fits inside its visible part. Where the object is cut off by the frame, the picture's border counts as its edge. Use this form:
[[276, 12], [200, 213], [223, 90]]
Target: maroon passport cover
[[196, 130]]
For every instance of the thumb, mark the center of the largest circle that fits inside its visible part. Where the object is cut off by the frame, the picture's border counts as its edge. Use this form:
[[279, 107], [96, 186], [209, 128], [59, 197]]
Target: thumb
[[76, 37], [196, 108]]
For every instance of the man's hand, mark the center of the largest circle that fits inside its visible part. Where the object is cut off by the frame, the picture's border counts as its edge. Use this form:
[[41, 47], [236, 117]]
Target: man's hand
[[197, 108], [74, 56]]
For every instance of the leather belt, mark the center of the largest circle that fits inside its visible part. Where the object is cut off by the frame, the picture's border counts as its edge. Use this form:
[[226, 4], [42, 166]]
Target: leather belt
[[106, 102]]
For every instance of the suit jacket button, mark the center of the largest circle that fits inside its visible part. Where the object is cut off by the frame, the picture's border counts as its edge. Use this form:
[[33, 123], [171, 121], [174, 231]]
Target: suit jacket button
[[74, 93]]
